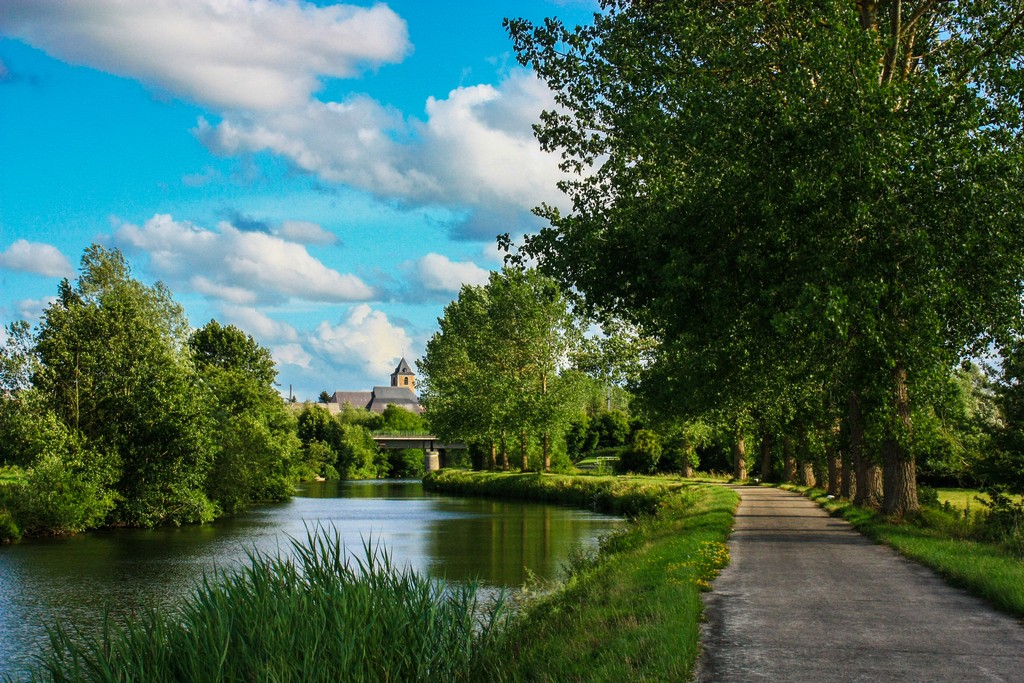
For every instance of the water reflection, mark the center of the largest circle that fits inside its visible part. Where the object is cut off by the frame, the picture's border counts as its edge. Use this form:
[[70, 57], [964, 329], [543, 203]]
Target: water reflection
[[76, 579]]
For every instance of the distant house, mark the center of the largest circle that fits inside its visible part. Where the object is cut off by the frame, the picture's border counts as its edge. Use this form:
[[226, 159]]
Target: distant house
[[401, 393]]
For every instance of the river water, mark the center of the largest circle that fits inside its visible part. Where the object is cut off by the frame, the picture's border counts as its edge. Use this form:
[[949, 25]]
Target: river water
[[75, 580]]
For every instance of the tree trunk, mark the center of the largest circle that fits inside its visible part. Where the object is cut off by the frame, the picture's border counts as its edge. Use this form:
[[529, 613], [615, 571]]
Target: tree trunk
[[834, 462], [547, 452], [868, 491], [739, 458], [804, 462], [687, 469], [900, 481], [788, 461], [522, 451], [807, 477], [504, 452], [835, 473], [766, 457], [492, 465], [848, 483]]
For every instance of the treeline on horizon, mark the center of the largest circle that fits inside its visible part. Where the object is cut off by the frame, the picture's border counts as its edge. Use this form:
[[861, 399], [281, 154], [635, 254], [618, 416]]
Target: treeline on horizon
[[114, 412]]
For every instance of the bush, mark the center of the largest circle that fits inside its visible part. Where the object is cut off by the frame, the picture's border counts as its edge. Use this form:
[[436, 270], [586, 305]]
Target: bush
[[643, 456], [405, 463], [9, 530], [61, 495]]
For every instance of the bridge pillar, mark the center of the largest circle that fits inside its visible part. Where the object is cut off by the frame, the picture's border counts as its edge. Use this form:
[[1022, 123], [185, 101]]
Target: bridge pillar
[[431, 460]]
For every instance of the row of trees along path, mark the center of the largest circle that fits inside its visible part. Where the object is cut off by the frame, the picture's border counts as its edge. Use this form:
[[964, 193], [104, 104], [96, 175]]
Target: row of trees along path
[[807, 598]]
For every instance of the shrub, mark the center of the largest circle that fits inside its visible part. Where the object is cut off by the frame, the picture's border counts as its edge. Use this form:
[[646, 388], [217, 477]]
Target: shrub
[[643, 456], [9, 530]]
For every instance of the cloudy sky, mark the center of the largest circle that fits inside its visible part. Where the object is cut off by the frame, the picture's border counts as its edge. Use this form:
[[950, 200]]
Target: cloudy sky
[[324, 176]]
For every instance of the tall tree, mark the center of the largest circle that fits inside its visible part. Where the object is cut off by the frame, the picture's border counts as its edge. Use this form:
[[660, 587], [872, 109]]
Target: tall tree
[[113, 368], [255, 440], [747, 174], [493, 371]]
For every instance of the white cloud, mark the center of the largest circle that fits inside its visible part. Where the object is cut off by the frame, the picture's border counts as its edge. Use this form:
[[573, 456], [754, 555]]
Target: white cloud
[[493, 253], [475, 149], [292, 354], [305, 232], [32, 309], [438, 273], [257, 63], [366, 341], [232, 54], [259, 325], [236, 266], [36, 257]]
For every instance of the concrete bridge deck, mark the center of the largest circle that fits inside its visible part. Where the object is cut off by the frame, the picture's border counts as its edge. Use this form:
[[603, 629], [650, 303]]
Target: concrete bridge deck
[[426, 442]]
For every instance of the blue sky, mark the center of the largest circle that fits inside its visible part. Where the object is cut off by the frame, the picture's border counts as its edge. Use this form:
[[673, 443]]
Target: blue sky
[[323, 175]]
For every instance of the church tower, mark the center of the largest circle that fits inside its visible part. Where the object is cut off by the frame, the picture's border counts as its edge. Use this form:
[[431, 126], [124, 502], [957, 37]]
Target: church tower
[[403, 376]]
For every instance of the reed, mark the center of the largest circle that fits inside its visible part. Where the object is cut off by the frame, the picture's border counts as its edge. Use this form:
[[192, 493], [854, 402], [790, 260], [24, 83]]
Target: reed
[[317, 614]]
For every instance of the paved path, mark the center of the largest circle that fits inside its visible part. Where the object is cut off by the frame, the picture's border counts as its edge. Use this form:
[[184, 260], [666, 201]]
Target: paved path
[[807, 598]]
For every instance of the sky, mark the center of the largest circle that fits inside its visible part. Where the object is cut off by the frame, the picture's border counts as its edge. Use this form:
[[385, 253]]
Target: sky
[[325, 176]]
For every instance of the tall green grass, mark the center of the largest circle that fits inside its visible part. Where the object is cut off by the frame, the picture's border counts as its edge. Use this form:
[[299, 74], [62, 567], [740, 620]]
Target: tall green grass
[[318, 615]]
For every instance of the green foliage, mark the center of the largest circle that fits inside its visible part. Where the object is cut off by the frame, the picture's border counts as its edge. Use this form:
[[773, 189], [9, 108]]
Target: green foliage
[[64, 485], [316, 614], [361, 416], [18, 359], [358, 455], [132, 420], [405, 463], [401, 420], [113, 368], [953, 433], [254, 439], [611, 429], [9, 529], [619, 496], [231, 349], [715, 208], [1004, 464], [643, 455], [493, 368], [1004, 519]]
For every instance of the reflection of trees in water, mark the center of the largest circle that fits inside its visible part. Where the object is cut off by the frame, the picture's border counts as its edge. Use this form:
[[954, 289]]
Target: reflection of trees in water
[[504, 542]]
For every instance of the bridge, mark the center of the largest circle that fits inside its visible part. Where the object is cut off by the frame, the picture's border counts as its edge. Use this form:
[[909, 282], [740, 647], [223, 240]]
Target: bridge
[[434, 451]]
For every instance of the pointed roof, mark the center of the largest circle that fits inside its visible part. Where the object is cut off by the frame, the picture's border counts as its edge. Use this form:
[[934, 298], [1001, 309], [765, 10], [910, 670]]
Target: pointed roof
[[403, 368]]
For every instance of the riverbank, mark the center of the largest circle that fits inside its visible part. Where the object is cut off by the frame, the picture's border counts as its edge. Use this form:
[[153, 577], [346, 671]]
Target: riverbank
[[630, 609]]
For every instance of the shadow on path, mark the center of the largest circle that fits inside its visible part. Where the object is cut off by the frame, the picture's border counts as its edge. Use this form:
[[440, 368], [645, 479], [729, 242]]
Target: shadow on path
[[808, 598]]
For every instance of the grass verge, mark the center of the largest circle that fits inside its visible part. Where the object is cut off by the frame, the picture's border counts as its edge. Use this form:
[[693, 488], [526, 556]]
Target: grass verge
[[935, 539], [632, 610]]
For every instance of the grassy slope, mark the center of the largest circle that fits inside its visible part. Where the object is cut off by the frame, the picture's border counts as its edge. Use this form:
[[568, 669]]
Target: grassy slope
[[633, 612], [984, 569]]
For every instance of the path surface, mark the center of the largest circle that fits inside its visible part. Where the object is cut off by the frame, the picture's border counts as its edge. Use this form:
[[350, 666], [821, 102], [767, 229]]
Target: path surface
[[807, 598]]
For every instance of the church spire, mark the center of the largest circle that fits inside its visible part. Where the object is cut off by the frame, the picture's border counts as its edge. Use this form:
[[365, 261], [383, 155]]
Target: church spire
[[403, 376]]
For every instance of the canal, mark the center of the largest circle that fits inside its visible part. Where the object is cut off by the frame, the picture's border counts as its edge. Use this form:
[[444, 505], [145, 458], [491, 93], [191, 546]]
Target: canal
[[75, 580]]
